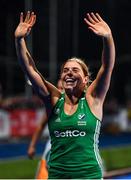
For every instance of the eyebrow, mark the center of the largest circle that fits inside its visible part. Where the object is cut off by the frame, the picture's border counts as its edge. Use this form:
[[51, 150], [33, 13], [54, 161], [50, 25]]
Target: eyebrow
[[76, 68]]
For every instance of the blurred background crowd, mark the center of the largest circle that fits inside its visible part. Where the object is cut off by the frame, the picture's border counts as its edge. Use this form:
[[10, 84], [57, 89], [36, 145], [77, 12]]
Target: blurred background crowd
[[60, 33]]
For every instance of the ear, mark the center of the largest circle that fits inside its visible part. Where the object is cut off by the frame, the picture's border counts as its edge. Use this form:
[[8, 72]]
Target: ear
[[86, 79]]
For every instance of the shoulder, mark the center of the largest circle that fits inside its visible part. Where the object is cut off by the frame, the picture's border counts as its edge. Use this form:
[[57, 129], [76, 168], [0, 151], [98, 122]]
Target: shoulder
[[95, 105], [60, 99]]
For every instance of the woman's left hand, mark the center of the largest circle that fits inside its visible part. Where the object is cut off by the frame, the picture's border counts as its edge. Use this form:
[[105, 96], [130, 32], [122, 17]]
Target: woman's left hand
[[97, 25]]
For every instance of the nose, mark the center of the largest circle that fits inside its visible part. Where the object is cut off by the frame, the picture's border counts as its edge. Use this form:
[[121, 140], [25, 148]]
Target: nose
[[70, 71]]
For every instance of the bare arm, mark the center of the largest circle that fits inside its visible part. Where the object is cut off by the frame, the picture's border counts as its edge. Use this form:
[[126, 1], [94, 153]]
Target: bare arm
[[37, 134], [43, 87], [99, 87]]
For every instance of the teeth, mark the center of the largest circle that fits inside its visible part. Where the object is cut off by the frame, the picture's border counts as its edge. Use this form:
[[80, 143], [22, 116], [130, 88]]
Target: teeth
[[70, 80]]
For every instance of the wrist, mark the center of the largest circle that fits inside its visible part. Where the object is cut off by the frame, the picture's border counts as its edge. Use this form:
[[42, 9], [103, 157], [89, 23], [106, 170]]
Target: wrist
[[108, 35], [18, 39]]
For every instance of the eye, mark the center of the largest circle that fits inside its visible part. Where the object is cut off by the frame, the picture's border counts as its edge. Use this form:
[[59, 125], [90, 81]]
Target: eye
[[75, 70], [65, 70]]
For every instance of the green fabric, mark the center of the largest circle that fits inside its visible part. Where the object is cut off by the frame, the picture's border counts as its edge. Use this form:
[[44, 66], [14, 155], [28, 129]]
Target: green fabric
[[74, 140]]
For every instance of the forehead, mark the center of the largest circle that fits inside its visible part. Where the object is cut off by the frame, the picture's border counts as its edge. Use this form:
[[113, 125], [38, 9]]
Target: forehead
[[72, 64]]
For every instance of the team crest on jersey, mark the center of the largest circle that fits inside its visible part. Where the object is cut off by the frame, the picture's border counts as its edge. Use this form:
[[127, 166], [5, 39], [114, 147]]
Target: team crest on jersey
[[58, 120], [81, 116], [56, 111], [81, 121]]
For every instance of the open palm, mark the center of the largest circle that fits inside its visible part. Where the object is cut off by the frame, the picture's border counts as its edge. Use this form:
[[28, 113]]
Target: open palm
[[25, 25], [97, 25]]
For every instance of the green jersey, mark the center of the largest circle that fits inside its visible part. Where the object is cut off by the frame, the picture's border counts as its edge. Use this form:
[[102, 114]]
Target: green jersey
[[74, 143]]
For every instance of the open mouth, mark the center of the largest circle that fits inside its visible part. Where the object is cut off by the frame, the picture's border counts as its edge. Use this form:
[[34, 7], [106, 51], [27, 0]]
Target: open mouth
[[70, 80]]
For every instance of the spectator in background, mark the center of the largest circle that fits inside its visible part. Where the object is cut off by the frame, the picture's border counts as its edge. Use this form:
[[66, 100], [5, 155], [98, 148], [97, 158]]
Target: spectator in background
[[115, 117], [111, 111], [42, 172], [129, 114], [1, 95]]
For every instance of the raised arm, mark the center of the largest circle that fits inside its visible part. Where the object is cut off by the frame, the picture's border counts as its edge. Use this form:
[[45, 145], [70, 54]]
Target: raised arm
[[100, 85], [41, 86]]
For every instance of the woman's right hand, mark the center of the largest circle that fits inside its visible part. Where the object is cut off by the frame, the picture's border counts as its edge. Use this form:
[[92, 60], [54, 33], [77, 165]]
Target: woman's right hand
[[25, 25]]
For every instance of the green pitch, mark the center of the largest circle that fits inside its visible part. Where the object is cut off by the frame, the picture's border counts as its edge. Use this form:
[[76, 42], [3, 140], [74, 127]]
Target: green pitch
[[114, 158], [18, 169]]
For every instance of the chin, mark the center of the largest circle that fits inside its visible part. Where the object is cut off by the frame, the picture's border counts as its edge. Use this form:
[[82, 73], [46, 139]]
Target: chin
[[69, 88]]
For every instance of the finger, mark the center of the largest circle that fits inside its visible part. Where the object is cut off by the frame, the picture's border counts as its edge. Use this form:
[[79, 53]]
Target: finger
[[88, 22], [99, 17], [32, 19], [91, 19], [95, 17], [93, 29], [31, 16], [27, 16], [21, 17]]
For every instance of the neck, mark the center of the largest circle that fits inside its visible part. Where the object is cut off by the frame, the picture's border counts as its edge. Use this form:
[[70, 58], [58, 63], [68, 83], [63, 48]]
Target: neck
[[72, 98], [70, 104]]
